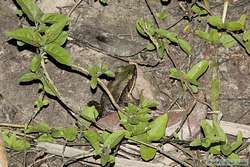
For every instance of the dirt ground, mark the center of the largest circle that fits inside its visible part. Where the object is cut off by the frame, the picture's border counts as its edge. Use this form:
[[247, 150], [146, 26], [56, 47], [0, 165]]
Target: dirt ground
[[107, 34]]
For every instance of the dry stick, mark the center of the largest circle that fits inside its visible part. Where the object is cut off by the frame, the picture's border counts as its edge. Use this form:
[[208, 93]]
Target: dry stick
[[74, 7]]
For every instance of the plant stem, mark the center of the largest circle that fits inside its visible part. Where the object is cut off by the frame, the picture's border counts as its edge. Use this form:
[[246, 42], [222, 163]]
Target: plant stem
[[103, 86], [225, 11]]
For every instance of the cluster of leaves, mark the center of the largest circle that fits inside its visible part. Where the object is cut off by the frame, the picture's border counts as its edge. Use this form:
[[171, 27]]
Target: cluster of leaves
[[10, 140], [227, 34], [87, 116], [47, 134], [160, 37], [189, 79], [97, 71], [216, 141], [48, 36], [136, 120]]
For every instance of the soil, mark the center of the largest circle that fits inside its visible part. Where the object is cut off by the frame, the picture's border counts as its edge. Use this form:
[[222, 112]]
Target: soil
[[107, 34]]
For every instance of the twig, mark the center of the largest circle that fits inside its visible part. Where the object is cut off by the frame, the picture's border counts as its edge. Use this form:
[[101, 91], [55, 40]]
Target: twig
[[74, 7], [152, 13]]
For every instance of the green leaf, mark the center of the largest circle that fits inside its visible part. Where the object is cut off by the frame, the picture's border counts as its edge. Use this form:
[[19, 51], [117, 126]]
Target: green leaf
[[93, 137], [215, 21], [32, 11], [236, 144], [27, 77], [158, 127], [89, 113], [45, 138], [114, 138], [140, 128], [247, 45], [58, 53], [215, 150], [68, 134], [53, 32], [147, 153], [162, 15], [235, 158], [12, 142], [206, 142], [167, 34], [227, 40], [226, 149], [38, 128], [237, 25], [195, 143], [196, 71], [140, 25], [176, 74], [20, 43], [246, 35], [198, 10], [147, 103], [47, 87], [215, 88], [35, 63], [203, 35], [219, 132], [150, 46], [185, 46], [207, 129], [214, 37], [93, 82], [27, 35], [62, 38], [53, 18]]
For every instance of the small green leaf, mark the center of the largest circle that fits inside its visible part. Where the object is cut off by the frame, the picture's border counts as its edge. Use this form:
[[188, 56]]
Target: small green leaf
[[215, 150], [203, 35], [32, 11], [38, 128], [235, 158], [219, 132], [214, 37], [207, 129], [196, 71], [198, 10], [246, 35], [62, 38], [12, 142], [185, 46], [247, 45], [162, 15], [176, 74], [93, 137], [45, 138], [114, 138], [227, 40], [167, 34], [35, 63], [93, 82], [68, 134], [28, 77], [237, 25], [236, 144], [47, 87], [60, 54], [226, 149], [150, 46], [215, 21], [27, 35], [147, 153], [147, 103], [53, 18], [54, 31], [20, 43], [195, 143], [89, 113], [206, 142], [140, 25], [158, 127]]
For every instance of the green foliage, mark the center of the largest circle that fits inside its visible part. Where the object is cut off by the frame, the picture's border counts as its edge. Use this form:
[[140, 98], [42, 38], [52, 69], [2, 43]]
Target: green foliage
[[31, 10], [147, 153], [215, 140], [11, 141], [199, 10], [159, 37], [68, 134], [38, 128], [89, 113], [162, 15], [190, 78], [97, 71]]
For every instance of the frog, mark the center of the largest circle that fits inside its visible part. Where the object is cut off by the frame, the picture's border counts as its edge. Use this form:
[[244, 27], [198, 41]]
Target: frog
[[121, 88]]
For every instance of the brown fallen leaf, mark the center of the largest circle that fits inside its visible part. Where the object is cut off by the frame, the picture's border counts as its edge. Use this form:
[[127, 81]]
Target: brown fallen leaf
[[3, 156]]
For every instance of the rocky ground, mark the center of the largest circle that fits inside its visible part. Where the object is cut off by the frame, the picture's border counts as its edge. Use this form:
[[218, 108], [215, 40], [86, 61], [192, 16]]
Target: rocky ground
[[107, 34]]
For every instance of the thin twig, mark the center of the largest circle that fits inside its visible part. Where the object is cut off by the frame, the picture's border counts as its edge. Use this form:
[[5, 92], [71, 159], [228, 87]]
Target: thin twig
[[74, 7]]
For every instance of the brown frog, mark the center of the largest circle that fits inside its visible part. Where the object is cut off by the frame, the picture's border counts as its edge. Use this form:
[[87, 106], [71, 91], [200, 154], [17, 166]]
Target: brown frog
[[121, 88]]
